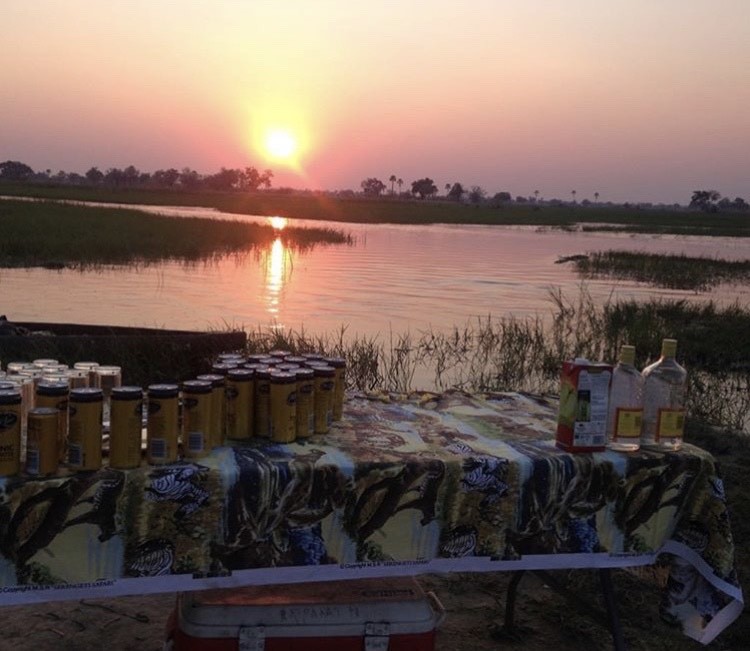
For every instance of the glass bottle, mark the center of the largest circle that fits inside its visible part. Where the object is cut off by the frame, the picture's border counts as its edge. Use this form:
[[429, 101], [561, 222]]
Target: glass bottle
[[625, 415], [664, 391]]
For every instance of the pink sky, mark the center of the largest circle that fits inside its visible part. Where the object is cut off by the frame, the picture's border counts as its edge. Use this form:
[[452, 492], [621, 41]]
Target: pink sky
[[633, 99]]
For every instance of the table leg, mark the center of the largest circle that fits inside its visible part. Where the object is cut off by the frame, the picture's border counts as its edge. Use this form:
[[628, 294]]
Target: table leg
[[510, 601], [608, 591]]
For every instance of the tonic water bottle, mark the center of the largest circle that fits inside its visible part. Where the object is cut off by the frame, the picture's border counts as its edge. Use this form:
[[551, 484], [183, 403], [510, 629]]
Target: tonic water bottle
[[664, 388], [625, 417]]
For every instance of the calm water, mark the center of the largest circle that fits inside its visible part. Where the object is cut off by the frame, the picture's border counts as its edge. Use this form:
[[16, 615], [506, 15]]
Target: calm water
[[394, 278]]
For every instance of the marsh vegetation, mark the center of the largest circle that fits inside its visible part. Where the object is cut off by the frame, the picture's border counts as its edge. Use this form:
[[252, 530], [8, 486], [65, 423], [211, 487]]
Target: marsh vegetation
[[56, 235]]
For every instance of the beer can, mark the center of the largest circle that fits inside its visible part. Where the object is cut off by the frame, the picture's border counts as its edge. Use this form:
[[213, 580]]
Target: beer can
[[125, 427], [218, 417], [325, 378], [295, 359], [312, 357], [90, 368], [263, 402], [256, 357], [162, 423], [231, 358], [196, 418], [287, 367], [41, 442], [240, 390], [283, 407], [11, 415], [41, 363], [85, 429], [278, 352], [305, 402], [55, 396], [222, 368], [339, 387]]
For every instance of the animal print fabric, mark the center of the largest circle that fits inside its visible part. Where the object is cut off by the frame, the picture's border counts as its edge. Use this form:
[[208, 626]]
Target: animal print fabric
[[400, 478]]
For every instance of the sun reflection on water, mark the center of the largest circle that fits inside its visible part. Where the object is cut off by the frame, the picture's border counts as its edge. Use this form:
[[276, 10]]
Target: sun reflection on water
[[278, 269]]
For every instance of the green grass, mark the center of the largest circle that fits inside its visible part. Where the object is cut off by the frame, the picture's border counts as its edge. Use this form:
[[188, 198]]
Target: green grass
[[56, 235], [400, 211], [674, 271]]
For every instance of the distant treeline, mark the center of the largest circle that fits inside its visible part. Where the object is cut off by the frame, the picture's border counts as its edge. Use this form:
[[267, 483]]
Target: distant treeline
[[250, 179], [225, 179]]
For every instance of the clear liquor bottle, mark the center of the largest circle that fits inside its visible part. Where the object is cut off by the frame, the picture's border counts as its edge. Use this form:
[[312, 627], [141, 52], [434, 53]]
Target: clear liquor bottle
[[624, 420], [664, 389]]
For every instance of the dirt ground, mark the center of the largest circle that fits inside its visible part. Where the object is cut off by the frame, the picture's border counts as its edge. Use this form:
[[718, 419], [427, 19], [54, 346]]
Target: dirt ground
[[475, 603]]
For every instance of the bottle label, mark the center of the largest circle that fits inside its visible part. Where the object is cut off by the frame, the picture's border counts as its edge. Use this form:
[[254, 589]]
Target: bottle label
[[628, 423], [670, 423]]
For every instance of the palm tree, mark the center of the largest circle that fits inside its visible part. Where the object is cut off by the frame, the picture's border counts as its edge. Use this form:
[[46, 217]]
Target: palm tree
[[536, 195], [399, 183], [447, 188], [596, 197], [392, 180], [573, 192]]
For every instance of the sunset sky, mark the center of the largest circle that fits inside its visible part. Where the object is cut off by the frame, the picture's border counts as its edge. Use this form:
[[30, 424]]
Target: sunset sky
[[634, 99]]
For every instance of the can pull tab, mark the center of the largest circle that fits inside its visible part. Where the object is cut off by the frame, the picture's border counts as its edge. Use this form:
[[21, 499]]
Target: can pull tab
[[252, 638], [376, 636]]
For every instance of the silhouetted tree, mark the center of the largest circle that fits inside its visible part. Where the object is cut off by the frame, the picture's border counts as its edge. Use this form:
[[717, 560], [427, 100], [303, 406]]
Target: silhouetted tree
[[456, 192], [399, 183], [189, 179], [94, 176], [13, 170], [536, 195], [165, 178], [477, 194], [705, 200], [372, 187], [424, 187], [596, 197], [392, 180], [573, 192]]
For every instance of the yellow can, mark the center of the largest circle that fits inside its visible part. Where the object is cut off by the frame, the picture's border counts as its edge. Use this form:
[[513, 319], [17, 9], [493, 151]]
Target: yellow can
[[218, 416], [196, 418], [283, 407], [85, 408], [41, 442], [325, 379], [339, 387], [11, 414], [162, 423], [55, 396], [263, 402], [305, 402], [125, 427], [240, 390]]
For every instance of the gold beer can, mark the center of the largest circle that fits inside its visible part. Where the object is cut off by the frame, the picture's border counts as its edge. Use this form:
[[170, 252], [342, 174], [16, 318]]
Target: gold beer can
[[218, 409], [196, 418], [263, 402], [283, 407], [41, 442], [325, 379], [11, 414], [162, 423], [305, 402], [125, 427], [55, 396], [339, 387], [85, 408], [240, 390]]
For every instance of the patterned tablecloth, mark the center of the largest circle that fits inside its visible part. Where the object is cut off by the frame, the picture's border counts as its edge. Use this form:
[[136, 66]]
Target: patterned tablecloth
[[428, 483]]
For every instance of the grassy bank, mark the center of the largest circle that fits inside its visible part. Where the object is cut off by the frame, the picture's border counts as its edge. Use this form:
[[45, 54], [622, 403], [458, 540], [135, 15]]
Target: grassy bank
[[400, 211], [56, 235], [674, 271], [507, 354]]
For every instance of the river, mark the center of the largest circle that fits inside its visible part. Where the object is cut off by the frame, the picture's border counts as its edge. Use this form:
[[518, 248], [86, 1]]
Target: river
[[393, 278]]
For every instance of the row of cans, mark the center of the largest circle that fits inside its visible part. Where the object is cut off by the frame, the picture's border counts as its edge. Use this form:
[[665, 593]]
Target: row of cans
[[276, 396]]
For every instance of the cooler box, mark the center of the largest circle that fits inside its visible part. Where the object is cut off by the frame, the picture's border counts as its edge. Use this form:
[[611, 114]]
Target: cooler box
[[392, 614]]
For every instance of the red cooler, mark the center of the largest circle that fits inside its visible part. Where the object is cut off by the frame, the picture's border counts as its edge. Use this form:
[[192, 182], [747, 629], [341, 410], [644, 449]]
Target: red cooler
[[392, 614]]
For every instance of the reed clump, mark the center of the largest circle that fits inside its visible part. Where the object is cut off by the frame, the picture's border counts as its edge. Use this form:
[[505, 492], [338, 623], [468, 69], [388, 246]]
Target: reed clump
[[697, 273], [55, 235]]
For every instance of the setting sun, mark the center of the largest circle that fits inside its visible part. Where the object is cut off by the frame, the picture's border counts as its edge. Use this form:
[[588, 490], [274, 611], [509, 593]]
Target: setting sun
[[280, 144]]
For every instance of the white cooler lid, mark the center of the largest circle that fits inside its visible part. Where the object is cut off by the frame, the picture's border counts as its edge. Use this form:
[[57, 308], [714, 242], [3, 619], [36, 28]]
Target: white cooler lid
[[332, 608]]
